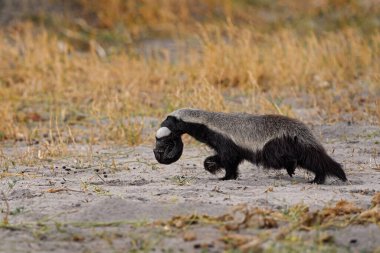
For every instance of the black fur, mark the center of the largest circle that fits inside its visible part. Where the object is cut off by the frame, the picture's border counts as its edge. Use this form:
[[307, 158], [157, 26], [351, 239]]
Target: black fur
[[169, 148], [288, 153], [285, 152]]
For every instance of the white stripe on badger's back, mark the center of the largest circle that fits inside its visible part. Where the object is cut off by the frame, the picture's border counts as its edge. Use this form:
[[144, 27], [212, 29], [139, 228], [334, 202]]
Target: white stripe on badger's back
[[189, 115], [233, 125], [163, 132], [248, 131]]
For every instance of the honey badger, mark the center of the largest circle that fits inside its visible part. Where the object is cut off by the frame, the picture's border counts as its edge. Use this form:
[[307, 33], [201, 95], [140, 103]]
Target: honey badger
[[272, 141]]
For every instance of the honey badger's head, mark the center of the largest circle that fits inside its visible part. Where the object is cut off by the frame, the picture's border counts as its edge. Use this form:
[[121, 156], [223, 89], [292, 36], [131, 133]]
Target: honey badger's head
[[169, 145]]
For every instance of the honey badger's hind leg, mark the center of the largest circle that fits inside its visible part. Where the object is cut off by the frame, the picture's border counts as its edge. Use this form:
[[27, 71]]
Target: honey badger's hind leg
[[290, 167], [319, 179], [281, 153], [212, 164]]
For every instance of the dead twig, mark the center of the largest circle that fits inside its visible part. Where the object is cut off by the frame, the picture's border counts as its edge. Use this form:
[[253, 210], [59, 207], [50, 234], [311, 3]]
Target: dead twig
[[55, 190], [7, 209]]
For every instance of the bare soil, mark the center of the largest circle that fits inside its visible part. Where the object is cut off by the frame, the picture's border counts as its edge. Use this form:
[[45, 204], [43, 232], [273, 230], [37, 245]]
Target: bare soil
[[105, 199]]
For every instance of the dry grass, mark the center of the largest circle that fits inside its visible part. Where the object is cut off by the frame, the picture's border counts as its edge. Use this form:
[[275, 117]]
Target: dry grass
[[282, 228], [128, 21], [51, 90]]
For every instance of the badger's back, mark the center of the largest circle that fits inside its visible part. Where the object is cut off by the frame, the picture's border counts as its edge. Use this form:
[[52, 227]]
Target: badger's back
[[249, 131]]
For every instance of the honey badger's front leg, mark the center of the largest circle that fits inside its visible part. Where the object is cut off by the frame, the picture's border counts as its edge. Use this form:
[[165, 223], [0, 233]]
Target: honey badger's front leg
[[212, 164], [215, 163]]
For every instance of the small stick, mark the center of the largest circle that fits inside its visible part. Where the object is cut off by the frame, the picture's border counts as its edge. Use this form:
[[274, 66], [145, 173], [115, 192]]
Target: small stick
[[7, 210], [54, 190], [101, 178]]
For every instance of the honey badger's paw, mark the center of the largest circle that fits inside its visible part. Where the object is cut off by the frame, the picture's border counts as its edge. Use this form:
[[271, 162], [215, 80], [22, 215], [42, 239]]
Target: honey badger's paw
[[212, 164], [291, 167]]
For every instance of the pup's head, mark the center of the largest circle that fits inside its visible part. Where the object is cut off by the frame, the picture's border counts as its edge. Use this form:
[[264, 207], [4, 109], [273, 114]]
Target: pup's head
[[169, 145]]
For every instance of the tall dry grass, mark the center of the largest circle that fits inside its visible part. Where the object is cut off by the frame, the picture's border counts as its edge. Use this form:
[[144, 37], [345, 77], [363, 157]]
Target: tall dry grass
[[124, 22], [48, 88]]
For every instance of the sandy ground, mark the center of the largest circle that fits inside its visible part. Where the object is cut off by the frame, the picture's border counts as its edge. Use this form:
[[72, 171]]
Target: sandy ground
[[102, 202]]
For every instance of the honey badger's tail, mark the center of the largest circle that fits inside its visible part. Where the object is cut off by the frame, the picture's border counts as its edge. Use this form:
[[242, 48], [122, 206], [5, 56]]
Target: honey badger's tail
[[316, 159], [289, 152]]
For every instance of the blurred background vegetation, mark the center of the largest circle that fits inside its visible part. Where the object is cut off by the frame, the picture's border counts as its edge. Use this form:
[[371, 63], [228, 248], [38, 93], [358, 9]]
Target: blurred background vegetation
[[167, 18], [93, 70], [122, 22]]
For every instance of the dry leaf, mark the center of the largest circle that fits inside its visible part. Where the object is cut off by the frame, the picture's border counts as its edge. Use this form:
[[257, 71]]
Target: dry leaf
[[270, 189], [189, 236], [78, 238], [252, 246], [342, 207], [376, 199], [325, 238], [236, 239], [55, 190], [372, 214]]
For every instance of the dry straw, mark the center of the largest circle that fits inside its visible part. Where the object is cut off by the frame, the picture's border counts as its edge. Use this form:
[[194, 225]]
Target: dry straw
[[43, 79]]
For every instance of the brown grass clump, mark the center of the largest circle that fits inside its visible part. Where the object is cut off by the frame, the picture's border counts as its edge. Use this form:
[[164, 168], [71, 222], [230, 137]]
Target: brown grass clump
[[244, 217], [376, 199], [372, 214], [246, 228], [341, 208], [205, 231]]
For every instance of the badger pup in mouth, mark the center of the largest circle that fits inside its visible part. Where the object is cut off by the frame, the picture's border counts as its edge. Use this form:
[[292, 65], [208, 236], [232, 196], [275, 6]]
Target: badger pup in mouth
[[273, 141]]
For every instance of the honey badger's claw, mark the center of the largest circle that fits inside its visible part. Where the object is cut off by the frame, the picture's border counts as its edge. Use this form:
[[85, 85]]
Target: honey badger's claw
[[211, 164], [291, 173], [211, 167]]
